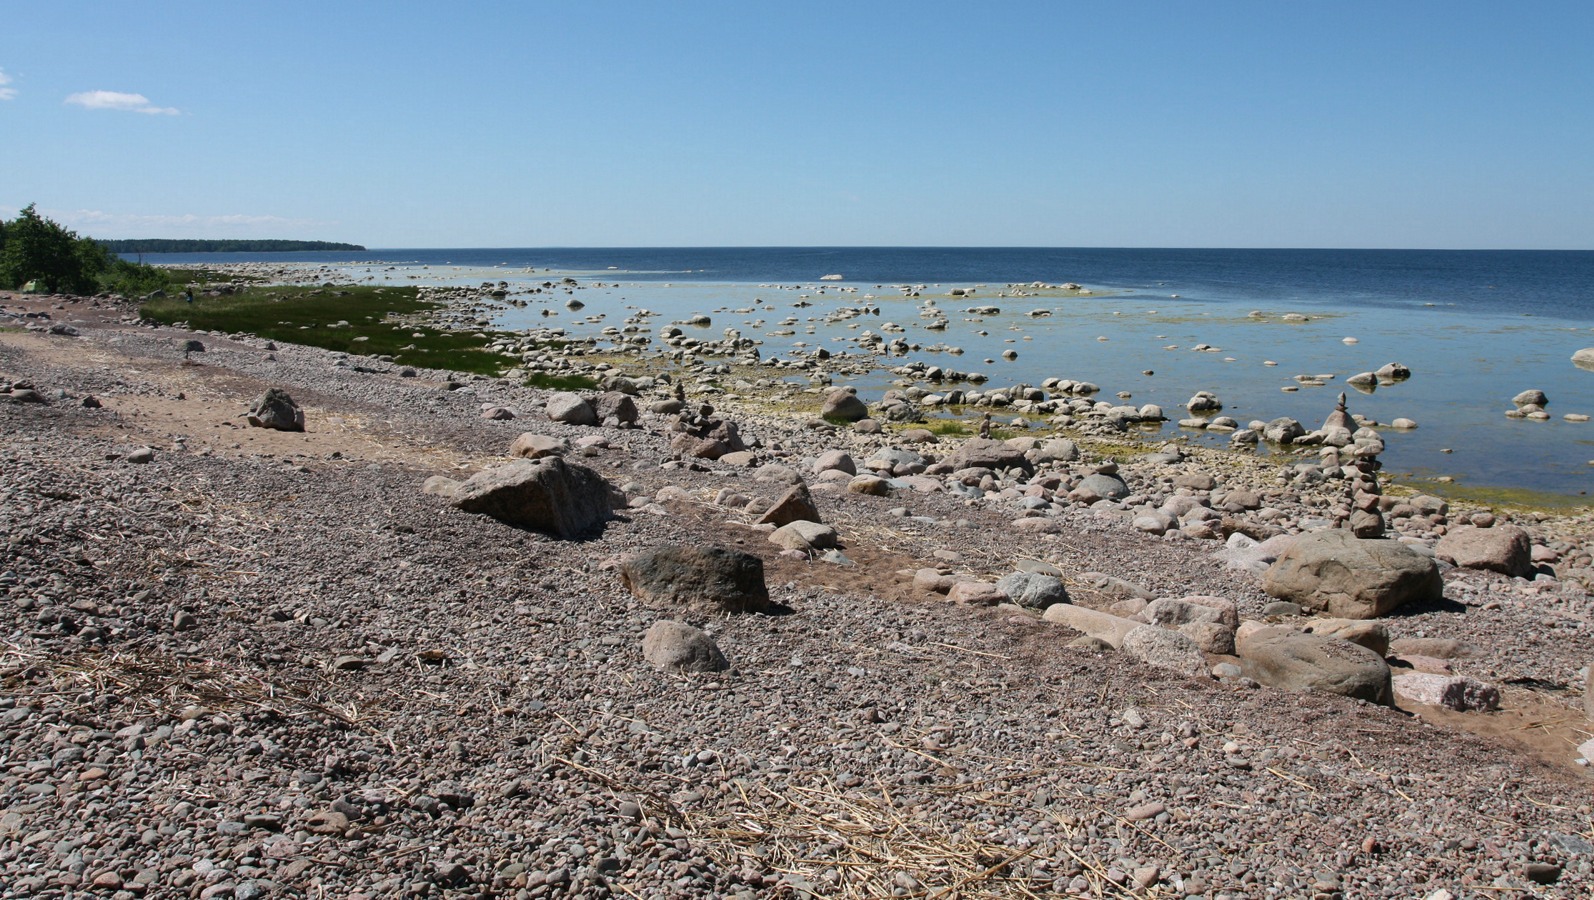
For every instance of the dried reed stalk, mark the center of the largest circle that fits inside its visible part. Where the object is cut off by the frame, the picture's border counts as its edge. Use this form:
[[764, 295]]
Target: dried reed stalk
[[163, 684]]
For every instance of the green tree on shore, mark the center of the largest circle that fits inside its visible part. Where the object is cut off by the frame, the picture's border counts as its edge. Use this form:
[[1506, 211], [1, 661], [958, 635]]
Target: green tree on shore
[[34, 248], [37, 249]]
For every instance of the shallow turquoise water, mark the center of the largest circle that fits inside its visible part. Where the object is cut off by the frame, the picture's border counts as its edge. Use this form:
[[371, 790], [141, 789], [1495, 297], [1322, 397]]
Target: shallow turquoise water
[[1466, 369]]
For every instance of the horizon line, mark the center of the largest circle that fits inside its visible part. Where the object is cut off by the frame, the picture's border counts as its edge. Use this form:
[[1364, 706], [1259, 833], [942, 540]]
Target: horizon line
[[374, 249], [962, 247]]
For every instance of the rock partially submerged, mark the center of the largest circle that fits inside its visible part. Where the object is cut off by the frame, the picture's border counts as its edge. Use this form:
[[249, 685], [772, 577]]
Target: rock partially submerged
[[547, 494], [843, 404]]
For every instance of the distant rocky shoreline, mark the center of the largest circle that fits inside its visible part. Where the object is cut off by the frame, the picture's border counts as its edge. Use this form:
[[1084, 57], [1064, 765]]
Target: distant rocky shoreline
[[883, 363]]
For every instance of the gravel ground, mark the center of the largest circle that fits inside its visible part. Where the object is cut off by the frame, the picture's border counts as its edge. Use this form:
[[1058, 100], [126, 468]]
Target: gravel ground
[[266, 664]]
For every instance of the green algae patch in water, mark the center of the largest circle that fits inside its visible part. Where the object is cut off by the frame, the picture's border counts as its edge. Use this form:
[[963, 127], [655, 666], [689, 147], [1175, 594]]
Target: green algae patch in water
[[364, 320], [1504, 499]]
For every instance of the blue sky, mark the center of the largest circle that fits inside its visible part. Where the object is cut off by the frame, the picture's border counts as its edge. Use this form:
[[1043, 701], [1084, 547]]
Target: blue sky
[[1211, 124]]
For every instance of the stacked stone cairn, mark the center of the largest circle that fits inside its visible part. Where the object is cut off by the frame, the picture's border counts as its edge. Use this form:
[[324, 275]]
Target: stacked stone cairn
[[1362, 512]]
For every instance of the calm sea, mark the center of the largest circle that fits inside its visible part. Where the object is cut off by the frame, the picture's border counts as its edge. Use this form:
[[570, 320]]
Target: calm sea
[[1476, 327], [1557, 283]]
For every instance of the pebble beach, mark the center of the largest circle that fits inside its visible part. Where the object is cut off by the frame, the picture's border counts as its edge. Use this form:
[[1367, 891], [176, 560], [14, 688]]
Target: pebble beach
[[241, 661]]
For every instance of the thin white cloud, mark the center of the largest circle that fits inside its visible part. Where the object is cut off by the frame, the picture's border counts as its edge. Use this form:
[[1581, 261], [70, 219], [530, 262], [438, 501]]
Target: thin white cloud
[[6, 93], [119, 101]]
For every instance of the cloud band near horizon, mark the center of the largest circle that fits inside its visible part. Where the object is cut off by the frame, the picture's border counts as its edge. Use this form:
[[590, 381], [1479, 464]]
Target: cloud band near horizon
[[116, 100]]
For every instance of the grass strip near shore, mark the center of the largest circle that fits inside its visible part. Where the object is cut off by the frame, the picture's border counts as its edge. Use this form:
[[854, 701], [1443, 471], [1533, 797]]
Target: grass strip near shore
[[367, 320]]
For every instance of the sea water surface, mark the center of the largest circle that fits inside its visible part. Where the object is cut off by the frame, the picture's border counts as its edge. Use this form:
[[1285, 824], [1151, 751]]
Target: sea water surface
[[1475, 327]]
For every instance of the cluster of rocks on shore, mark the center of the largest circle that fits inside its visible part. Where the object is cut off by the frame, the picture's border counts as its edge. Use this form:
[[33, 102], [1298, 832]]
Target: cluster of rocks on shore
[[1348, 573]]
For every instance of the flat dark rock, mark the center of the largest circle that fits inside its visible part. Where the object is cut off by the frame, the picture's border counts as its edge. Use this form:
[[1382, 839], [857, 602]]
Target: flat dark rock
[[716, 578]]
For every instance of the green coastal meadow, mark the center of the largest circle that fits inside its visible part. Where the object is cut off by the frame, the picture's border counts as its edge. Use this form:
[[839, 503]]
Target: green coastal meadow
[[363, 319]]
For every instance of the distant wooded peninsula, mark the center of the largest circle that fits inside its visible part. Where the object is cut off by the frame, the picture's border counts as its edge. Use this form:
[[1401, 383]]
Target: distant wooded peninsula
[[174, 245]]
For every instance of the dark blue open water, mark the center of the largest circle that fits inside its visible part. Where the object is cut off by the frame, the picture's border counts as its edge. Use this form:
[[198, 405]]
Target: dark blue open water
[[1556, 283]]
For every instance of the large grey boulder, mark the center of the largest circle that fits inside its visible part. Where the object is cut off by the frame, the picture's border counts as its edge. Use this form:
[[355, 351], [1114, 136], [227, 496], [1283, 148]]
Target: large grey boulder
[[708, 578], [677, 647], [1114, 587], [844, 405], [547, 494], [1211, 637], [615, 405], [1283, 430], [570, 409], [1501, 548], [900, 411], [1584, 359], [871, 485], [976, 593], [440, 486], [1348, 577], [1110, 487], [894, 461], [1033, 590], [1296, 661], [691, 445], [773, 473], [275, 409], [1057, 450], [838, 460], [985, 453], [1209, 621]]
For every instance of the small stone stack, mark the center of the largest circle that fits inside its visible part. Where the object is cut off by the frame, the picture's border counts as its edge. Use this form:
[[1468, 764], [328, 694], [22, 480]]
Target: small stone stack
[[1363, 515], [699, 434]]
